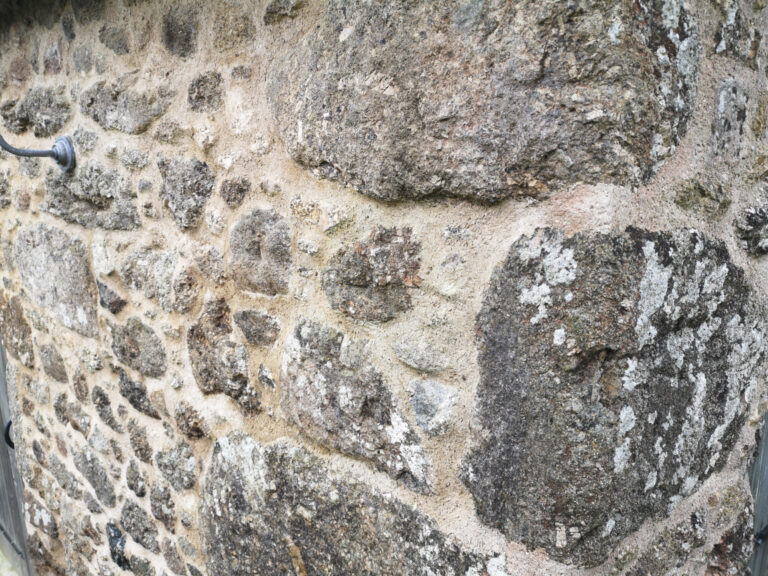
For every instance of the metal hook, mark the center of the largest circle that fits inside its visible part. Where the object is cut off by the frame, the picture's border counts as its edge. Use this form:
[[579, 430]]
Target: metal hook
[[7, 434], [63, 152]]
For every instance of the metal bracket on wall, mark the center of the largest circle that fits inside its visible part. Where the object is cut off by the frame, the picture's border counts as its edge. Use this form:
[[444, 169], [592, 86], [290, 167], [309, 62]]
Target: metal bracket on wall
[[63, 152], [7, 435]]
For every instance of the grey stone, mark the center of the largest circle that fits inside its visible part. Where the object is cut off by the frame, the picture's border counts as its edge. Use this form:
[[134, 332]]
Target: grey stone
[[136, 345], [52, 60], [138, 524], [87, 10], [142, 567], [68, 26], [54, 268], [372, 279], [259, 328], [92, 196], [278, 10], [5, 192], [752, 230], [29, 167], [110, 299], [733, 552], [134, 159], [704, 196], [160, 276], [432, 404], [233, 26], [210, 261], [172, 558], [85, 139], [116, 542], [464, 106], [115, 38], [737, 35], [82, 56], [44, 110], [37, 515], [168, 131], [137, 436], [89, 466], [180, 31], [163, 506], [419, 354], [135, 480], [190, 422], [104, 408], [614, 372], [234, 191], [72, 413], [136, 394], [672, 548], [187, 185], [53, 363], [728, 124], [177, 465], [337, 397], [15, 331], [299, 513], [242, 72], [117, 106], [220, 364], [260, 259], [205, 92]]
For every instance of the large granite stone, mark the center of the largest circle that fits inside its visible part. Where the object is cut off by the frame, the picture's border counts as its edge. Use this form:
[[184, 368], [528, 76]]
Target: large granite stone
[[336, 396], [485, 99], [616, 372], [54, 268], [276, 509]]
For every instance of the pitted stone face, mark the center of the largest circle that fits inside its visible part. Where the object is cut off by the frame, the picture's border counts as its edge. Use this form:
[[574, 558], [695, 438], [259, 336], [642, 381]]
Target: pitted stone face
[[483, 100], [616, 370]]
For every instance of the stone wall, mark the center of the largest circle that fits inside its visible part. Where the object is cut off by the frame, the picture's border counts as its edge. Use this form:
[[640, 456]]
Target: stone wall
[[344, 287]]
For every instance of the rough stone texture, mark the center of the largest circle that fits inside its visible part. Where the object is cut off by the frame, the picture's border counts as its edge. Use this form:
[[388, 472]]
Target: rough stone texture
[[117, 106], [39, 516], [336, 396], [117, 546], [53, 363], [234, 191], [752, 229], [258, 327], [104, 408], [172, 557], [15, 331], [615, 375], [220, 364], [300, 514], [205, 93], [136, 345], [372, 279], [190, 422], [187, 184], [139, 443], [180, 31], [278, 10], [177, 465], [260, 259], [137, 523], [163, 506], [432, 404], [54, 268], [672, 548], [705, 196], [134, 479], [136, 394], [110, 299], [92, 196], [470, 111], [731, 555], [44, 110], [419, 354], [160, 276], [728, 124], [89, 466], [115, 38]]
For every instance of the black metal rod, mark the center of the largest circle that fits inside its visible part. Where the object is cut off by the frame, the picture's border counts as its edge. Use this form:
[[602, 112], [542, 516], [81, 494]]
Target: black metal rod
[[7, 434], [63, 152]]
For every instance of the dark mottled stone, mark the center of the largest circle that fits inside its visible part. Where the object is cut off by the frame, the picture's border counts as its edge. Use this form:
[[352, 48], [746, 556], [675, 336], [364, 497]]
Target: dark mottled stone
[[278, 10], [336, 396], [54, 268], [372, 279], [37, 515], [142, 567], [117, 546], [137, 435], [615, 370], [53, 363], [234, 191], [163, 506], [44, 110], [732, 554], [704, 196], [205, 92], [139, 525], [259, 328], [728, 124], [68, 26], [92, 196], [672, 548], [160, 276], [220, 364], [135, 480], [173, 558], [115, 38], [136, 345], [483, 100], [190, 421], [260, 260], [15, 331], [89, 466], [752, 230], [177, 465], [110, 299], [300, 514], [117, 106], [104, 408], [180, 31], [136, 394], [187, 185]]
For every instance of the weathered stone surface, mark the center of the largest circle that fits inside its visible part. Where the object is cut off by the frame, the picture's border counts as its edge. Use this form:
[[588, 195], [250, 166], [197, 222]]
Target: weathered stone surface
[[135, 480], [278, 10], [732, 554], [420, 354], [136, 345], [134, 159], [737, 35], [160, 276], [705, 196], [616, 370], [36, 514], [260, 259], [180, 31], [372, 279], [54, 268], [177, 465], [672, 548], [187, 184], [259, 328], [173, 558], [234, 191], [5, 192], [220, 364], [15, 331], [44, 110], [752, 230], [117, 546], [110, 299], [190, 421], [136, 394], [299, 513], [53, 363], [483, 100], [334, 394], [92, 196], [728, 124], [72, 413], [104, 408], [233, 26], [89, 466], [115, 38], [137, 436], [163, 506], [138, 524], [205, 92], [142, 567], [117, 106], [432, 404]]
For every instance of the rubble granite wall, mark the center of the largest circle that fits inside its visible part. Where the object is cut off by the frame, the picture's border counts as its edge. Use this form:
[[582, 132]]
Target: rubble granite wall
[[468, 287]]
